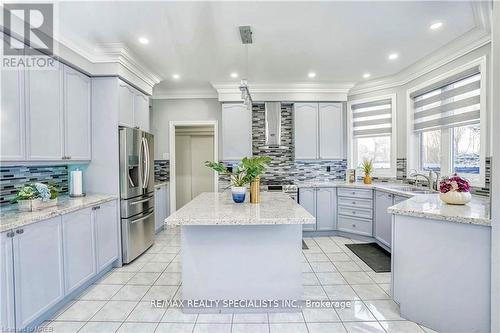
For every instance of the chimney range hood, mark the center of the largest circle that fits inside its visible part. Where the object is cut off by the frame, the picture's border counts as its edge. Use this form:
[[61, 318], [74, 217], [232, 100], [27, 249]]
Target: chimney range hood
[[273, 126]]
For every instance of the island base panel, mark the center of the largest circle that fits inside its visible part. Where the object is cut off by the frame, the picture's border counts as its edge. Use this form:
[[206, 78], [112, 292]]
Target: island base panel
[[259, 262]]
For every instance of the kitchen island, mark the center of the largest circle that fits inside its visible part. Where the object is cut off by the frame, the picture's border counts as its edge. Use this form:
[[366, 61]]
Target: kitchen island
[[441, 263], [246, 256]]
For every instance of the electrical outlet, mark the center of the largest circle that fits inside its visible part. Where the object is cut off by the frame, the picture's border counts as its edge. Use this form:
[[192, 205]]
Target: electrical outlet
[[328, 169]]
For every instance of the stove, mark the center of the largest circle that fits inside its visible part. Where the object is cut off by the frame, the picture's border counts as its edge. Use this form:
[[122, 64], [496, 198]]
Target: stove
[[290, 189]]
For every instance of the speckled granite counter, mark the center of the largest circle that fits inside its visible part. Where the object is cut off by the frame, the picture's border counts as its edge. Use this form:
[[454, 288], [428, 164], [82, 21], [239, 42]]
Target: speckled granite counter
[[430, 206], [11, 217], [161, 183], [212, 208], [394, 188]]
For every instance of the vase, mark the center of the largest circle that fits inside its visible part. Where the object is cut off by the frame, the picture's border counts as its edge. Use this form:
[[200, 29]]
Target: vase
[[455, 198], [367, 180], [255, 190], [238, 193], [35, 204]]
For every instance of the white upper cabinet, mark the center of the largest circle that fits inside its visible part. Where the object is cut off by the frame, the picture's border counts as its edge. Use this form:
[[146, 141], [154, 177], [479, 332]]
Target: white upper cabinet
[[78, 140], [12, 117], [306, 131], [331, 134], [236, 131], [141, 111], [44, 110], [126, 104], [318, 131]]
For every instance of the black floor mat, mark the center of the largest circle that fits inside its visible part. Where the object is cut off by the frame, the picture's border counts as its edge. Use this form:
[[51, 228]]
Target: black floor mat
[[373, 255], [304, 246]]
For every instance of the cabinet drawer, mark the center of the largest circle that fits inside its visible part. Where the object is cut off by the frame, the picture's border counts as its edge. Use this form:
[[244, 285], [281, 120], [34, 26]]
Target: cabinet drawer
[[355, 193], [356, 212], [353, 202], [357, 226]]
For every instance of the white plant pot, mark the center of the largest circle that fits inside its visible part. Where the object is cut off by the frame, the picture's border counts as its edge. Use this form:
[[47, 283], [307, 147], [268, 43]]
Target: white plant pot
[[35, 204], [455, 198], [238, 193]]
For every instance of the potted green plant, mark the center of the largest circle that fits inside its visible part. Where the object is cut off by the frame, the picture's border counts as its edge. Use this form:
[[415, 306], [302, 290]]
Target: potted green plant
[[238, 179], [36, 196], [255, 166], [367, 167]]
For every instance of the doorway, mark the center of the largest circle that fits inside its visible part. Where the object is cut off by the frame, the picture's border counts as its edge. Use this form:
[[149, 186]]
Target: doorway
[[191, 144]]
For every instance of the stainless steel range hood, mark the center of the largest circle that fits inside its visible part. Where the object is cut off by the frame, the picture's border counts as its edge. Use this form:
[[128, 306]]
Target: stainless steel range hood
[[273, 126]]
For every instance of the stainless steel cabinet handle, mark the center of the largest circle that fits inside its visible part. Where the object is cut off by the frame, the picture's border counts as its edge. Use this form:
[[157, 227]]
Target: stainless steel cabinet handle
[[10, 234], [96, 207], [142, 218], [19, 231]]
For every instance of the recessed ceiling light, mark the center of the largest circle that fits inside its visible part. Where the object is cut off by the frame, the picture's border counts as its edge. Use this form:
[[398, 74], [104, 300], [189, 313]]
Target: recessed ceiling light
[[393, 56], [436, 25], [176, 76], [366, 75], [234, 75], [311, 75], [143, 40]]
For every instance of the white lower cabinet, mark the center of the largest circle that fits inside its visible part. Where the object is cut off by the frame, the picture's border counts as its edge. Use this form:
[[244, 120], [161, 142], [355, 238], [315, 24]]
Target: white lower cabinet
[[161, 206], [44, 262], [322, 204], [38, 269], [383, 219], [78, 248], [107, 233]]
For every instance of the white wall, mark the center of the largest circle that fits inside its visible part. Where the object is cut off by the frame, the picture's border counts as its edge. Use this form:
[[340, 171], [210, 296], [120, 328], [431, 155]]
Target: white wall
[[400, 92], [165, 110]]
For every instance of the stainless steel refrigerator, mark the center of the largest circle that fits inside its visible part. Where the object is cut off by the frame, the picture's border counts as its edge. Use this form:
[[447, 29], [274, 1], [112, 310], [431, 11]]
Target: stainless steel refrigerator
[[136, 192]]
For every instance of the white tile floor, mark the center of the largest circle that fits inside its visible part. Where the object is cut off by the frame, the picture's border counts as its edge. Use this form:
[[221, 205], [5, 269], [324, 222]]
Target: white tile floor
[[120, 302]]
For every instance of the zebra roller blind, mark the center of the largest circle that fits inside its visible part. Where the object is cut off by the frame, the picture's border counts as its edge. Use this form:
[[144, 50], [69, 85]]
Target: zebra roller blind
[[372, 118], [455, 102]]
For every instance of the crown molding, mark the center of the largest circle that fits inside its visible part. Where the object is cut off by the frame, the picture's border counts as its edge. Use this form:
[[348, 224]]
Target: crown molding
[[184, 94], [229, 92], [110, 54], [461, 46]]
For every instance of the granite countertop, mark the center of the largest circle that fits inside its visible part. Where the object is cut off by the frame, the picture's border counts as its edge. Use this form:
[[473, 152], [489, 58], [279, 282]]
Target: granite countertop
[[11, 217], [161, 183], [430, 206], [394, 188], [211, 208]]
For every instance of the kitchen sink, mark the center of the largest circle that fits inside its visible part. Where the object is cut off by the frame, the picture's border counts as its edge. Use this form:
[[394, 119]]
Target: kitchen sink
[[413, 189]]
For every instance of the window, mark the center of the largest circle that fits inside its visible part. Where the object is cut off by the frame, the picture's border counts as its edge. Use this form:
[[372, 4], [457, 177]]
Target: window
[[447, 123], [371, 127]]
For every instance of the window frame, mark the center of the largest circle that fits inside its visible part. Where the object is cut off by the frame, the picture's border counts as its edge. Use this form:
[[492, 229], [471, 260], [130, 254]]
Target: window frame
[[352, 161], [414, 155]]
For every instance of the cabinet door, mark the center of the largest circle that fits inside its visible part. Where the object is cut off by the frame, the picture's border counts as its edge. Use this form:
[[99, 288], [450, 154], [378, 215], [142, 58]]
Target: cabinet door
[[306, 131], [326, 204], [141, 111], [12, 118], [307, 199], [331, 134], [6, 283], [236, 131], [160, 207], [78, 248], [77, 129], [44, 109], [38, 269], [126, 104], [383, 220], [106, 225], [167, 200]]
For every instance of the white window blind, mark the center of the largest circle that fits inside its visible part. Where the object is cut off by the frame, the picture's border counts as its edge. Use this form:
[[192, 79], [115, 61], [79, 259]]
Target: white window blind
[[455, 102], [372, 118]]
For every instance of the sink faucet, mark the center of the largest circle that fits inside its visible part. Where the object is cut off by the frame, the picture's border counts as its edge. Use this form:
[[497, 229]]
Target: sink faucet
[[429, 178]]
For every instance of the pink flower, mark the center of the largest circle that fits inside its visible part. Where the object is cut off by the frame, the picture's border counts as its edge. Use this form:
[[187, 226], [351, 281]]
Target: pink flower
[[454, 183]]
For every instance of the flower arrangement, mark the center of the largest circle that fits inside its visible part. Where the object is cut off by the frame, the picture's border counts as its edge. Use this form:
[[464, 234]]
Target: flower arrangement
[[454, 190], [36, 196]]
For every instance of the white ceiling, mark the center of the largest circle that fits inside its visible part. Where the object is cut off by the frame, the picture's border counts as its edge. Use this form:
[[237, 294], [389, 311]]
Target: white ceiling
[[200, 40]]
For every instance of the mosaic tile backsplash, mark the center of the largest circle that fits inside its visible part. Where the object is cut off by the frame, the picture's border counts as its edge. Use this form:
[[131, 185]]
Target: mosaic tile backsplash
[[14, 177], [162, 170], [284, 169]]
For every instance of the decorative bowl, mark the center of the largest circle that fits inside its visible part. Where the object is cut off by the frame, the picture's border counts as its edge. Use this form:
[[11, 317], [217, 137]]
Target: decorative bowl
[[455, 197]]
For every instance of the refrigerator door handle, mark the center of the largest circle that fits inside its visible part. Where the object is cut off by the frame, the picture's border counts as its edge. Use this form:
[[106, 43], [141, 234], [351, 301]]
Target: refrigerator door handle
[[148, 163], [142, 218], [145, 167]]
